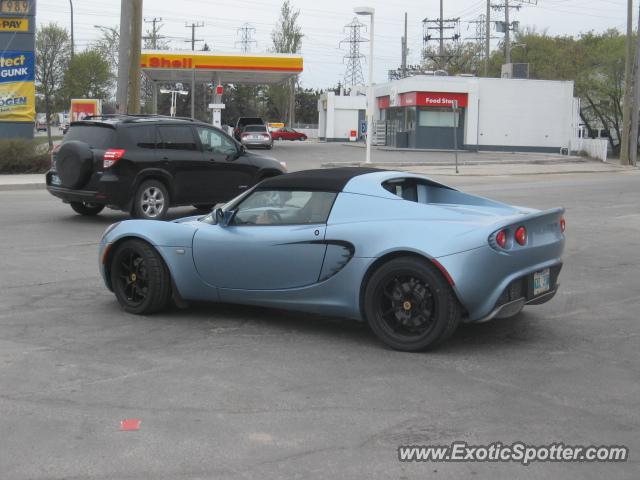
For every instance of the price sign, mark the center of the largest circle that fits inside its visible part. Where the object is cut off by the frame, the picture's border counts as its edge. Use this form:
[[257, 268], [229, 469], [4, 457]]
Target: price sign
[[15, 6]]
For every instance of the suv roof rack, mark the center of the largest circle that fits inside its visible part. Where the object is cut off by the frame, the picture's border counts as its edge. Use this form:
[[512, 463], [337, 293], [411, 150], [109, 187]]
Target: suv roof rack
[[129, 117]]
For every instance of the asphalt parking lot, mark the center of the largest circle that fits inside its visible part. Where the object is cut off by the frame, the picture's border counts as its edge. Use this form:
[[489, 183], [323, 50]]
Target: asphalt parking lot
[[226, 391]]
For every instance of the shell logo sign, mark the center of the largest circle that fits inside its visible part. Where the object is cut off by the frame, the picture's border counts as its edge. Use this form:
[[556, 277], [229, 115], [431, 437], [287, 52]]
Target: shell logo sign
[[161, 60]]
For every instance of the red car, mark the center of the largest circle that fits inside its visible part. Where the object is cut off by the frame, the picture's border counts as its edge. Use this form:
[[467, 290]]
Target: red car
[[287, 133]]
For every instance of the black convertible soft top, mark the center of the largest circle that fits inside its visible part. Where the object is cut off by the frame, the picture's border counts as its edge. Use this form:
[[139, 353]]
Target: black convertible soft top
[[328, 180]]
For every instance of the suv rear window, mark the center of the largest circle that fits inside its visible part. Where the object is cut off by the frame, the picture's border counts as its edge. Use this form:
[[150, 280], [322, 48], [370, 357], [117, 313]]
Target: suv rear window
[[255, 128], [242, 121], [96, 136]]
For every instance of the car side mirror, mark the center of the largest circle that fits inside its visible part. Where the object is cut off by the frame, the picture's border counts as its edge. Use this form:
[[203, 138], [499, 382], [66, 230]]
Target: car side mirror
[[223, 218]]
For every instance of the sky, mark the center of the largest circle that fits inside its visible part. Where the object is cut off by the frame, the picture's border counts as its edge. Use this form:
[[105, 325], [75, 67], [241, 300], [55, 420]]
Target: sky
[[323, 23]]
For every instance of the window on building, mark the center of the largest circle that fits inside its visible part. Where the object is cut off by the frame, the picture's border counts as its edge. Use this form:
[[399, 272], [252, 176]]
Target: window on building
[[437, 118]]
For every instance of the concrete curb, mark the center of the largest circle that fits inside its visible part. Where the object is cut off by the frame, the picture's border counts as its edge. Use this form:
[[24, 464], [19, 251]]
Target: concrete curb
[[452, 164], [21, 186]]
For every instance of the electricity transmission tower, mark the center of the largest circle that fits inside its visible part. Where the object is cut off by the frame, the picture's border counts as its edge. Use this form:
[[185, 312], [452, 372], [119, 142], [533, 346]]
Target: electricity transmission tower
[[353, 73], [246, 32], [480, 36]]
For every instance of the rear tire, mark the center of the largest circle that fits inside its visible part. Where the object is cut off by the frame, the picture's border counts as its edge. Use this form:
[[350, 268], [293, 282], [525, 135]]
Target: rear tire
[[140, 278], [151, 201], [86, 208], [410, 306]]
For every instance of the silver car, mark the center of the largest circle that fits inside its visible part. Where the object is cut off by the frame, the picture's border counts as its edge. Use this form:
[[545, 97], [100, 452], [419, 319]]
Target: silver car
[[256, 136]]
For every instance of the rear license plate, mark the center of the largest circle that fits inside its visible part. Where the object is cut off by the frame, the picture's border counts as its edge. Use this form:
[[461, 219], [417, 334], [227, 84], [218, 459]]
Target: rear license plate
[[55, 180], [255, 137], [541, 282]]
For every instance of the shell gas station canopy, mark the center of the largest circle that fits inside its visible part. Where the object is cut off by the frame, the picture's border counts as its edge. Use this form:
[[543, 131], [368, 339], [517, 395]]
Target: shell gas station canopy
[[206, 67]]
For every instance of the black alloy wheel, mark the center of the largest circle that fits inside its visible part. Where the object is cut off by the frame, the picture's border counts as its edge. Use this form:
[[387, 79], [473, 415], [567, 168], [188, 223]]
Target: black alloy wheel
[[409, 305], [140, 278]]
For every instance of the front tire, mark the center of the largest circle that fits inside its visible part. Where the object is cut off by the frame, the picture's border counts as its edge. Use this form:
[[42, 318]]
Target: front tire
[[139, 278], [86, 208], [410, 306], [151, 201]]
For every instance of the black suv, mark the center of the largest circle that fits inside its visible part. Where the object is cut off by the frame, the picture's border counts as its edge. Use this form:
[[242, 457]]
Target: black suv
[[146, 164]]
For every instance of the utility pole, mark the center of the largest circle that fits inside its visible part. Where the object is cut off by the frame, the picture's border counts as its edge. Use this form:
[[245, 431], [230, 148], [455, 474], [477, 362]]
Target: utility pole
[[353, 74], [487, 38], [122, 91], [441, 50], [507, 33], [193, 27], [404, 48], [441, 24], [155, 31], [636, 101], [246, 32], [626, 102], [134, 57]]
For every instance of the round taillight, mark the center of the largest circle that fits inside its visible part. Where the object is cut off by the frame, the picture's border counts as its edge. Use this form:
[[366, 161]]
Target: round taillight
[[521, 235], [563, 224], [501, 238]]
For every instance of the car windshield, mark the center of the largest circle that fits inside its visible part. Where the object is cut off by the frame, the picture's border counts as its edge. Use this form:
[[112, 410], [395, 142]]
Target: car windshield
[[284, 207], [255, 128]]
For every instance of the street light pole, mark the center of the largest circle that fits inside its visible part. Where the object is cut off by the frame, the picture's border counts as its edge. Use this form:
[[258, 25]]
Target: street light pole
[[370, 97], [72, 42]]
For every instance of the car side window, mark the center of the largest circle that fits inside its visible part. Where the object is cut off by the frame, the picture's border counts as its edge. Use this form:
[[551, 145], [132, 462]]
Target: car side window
[[284, 207], [177, 137], [142, 136], [214, 141], [411, 189]]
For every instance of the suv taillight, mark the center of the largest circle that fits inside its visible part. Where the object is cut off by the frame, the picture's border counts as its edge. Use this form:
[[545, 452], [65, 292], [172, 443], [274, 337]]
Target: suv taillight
[[111, 157]]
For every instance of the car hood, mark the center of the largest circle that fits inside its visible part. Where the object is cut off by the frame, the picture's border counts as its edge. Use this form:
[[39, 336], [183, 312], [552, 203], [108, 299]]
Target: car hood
[[263, 161]]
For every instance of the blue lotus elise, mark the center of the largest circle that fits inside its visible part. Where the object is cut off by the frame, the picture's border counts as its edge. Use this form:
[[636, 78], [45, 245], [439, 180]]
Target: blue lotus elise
[[408, 255]]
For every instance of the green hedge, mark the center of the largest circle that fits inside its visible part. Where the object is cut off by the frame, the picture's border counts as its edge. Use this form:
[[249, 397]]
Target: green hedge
[[20, 155]]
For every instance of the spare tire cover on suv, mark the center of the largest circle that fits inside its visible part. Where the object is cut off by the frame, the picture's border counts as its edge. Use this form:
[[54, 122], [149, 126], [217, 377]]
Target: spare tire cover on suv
[[74, 163]]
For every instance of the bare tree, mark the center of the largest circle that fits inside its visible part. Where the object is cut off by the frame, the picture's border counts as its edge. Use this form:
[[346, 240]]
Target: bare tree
[[108, 45], [287, 38], [53, 51]]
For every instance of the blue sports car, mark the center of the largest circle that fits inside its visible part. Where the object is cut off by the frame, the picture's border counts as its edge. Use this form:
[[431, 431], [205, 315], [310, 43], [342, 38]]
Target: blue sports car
[[408, 255]]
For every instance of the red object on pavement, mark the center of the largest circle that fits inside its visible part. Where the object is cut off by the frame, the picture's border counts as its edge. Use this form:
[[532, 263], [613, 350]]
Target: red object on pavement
[[129, 424]]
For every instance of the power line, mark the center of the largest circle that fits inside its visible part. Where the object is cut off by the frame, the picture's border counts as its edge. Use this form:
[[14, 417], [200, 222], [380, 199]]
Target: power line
[[353, 73], [193, 27], [246, 32]]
